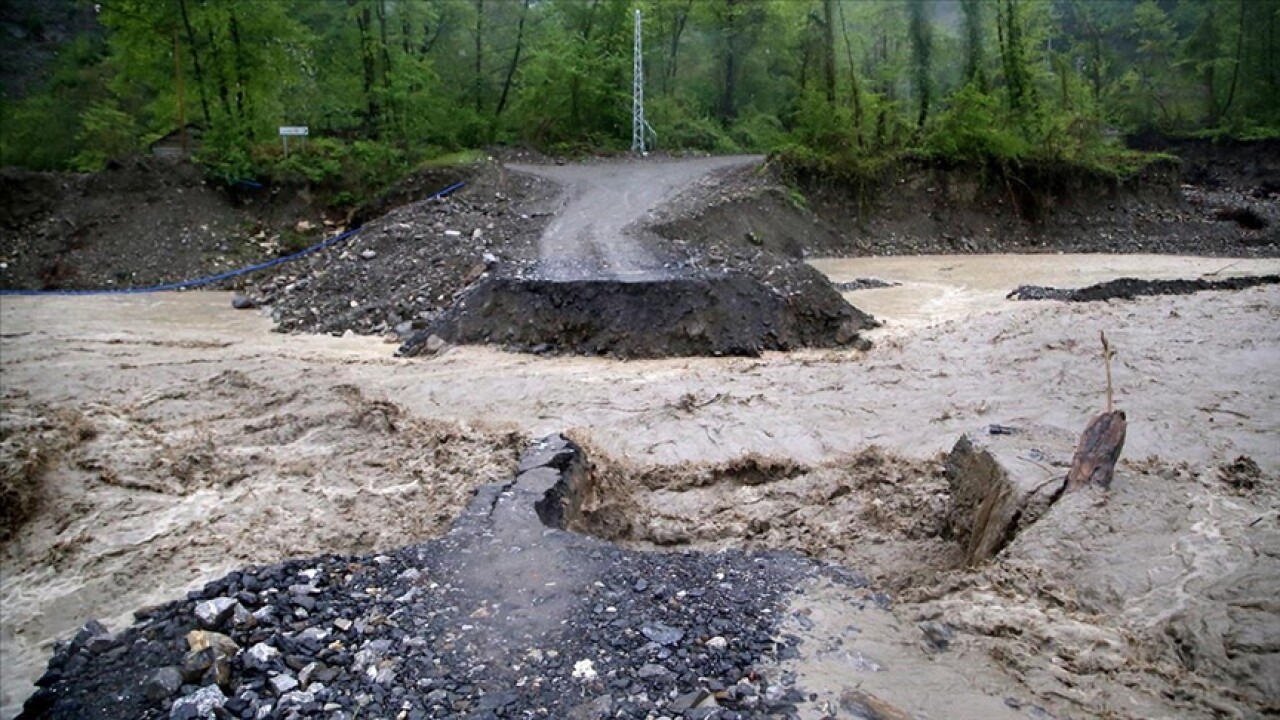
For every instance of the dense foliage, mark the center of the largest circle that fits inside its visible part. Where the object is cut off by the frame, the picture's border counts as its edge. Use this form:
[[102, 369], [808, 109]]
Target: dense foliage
[[385, 83]]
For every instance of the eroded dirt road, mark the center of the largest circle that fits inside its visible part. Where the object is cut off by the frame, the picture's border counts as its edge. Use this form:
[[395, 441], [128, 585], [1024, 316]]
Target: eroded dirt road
[[594, 233], [217, 443]]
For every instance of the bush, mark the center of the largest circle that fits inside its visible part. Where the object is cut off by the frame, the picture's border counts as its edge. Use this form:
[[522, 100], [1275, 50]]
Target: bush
[[971, 130], [684, 128], [106, 133], [757, 132]]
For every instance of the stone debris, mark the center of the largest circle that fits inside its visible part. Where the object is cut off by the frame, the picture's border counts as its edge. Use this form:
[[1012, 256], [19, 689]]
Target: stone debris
[[213, 613], [201, 704]]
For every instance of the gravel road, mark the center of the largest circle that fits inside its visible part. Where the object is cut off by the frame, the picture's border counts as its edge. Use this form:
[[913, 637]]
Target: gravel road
[[594, 232]]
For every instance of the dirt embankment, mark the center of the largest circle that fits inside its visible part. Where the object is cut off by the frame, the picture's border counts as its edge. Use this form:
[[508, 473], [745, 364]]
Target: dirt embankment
[[141, 223], [148, 221], [1177, 208]]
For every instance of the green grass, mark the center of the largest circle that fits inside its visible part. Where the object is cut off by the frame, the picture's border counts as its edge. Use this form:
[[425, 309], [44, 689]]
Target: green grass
[[461, 157]]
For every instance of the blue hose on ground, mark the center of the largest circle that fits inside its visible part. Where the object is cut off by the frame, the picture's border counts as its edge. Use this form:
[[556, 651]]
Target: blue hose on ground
[[211, 279]]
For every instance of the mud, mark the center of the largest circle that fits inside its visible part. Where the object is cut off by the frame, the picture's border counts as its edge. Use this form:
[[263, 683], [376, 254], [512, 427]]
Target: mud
[[1129, 288], [1197, 375], [871, 511], [32, 437], [931, 289], [1155, 599], [660, 316]]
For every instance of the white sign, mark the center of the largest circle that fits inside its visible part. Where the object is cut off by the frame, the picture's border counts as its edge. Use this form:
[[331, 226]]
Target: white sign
[[287, 130]]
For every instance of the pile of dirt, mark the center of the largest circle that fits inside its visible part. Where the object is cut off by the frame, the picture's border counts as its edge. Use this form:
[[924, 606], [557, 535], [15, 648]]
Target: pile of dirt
[[734, 213], [676, 315], [484, 266], [1130, 288], [140, 223], [406, 267]]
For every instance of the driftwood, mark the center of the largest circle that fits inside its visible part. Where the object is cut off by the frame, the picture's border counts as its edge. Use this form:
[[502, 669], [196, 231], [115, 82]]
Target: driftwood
[[1095, 459]]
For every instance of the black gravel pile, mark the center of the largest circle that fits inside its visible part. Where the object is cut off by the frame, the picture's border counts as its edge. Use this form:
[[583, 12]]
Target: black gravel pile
[[504, 617], [690, 313], [1129, 288], [867, 283]]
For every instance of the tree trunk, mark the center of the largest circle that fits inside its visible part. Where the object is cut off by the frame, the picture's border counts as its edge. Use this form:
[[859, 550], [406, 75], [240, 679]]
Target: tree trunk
[[829, 50], [575, 81], [386, 47], [682, 17], [241, 79], [515, 60], [1099, 449], [1235, 72], [223, 94], [429, 38], [921, 58], [479, 59], [364, 21], [195, 60], [973, 69], [728, 95], [855, 91]]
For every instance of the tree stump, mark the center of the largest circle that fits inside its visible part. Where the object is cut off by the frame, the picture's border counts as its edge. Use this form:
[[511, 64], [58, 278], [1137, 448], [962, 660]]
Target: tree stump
[[1095, 459]]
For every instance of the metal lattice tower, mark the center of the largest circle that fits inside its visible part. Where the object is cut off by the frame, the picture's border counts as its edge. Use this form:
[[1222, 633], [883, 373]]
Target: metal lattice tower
[[638, 125]]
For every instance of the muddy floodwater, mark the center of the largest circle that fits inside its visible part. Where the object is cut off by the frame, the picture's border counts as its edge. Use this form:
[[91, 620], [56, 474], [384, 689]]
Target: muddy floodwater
[[189, 439], [935, 288]]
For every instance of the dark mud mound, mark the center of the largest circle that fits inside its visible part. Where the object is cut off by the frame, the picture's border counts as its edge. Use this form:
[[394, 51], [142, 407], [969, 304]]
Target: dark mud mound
[[656, 316], [1130, 288]]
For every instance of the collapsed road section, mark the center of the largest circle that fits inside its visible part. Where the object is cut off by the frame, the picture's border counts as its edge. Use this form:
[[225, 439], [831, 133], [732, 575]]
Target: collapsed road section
[[504, 616], [605, 283]]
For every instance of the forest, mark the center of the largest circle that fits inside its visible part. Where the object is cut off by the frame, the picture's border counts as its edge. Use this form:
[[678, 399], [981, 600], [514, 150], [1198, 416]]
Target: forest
[[385, 85]]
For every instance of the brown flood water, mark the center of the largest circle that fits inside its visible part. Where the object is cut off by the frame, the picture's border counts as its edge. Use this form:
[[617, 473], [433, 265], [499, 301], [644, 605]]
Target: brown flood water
[[293, 459], [937, 288]]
